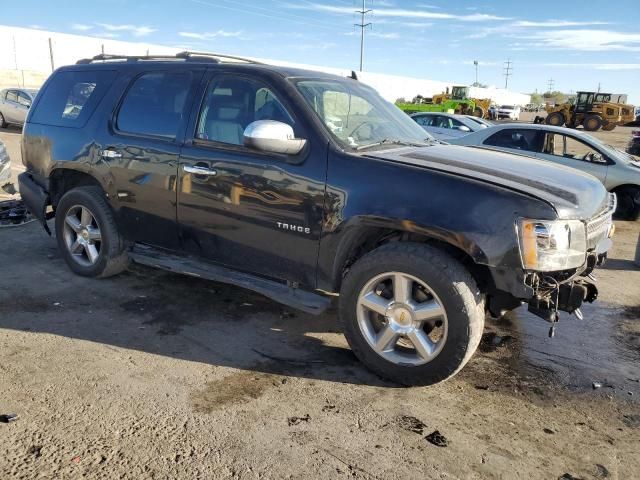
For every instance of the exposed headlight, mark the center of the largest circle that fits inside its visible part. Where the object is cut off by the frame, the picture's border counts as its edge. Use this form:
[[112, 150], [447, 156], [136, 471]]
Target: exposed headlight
[[549, 246]]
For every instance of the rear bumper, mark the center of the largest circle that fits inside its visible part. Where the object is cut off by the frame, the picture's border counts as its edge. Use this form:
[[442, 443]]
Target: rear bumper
[[35, 198], [5, 173]]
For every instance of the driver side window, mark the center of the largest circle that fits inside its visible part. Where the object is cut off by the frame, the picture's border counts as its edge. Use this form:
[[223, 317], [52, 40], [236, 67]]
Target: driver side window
[[569, 147], [232, 103]]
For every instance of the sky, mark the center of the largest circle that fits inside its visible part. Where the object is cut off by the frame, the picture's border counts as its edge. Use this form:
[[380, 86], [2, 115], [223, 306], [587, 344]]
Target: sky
[[578, 44]]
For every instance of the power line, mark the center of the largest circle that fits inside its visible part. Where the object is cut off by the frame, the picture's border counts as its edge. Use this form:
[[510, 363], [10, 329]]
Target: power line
[[243, 8], [363, 13], [508, 71]]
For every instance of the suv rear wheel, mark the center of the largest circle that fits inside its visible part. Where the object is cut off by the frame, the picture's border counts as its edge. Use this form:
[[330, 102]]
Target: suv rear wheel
[[411, 313], [3, 123], [87, 234]]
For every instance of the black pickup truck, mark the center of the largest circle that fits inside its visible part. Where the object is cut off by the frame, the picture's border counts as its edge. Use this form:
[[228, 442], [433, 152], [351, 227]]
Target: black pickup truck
[[302, 186]]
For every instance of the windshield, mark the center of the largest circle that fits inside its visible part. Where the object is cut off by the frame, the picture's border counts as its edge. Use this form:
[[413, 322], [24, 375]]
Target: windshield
[[358, 117], [507, 107]]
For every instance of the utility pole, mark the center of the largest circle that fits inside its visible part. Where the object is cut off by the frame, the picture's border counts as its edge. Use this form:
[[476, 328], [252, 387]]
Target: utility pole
[[598, 87], [550, 84], [53, 67], [508, 69], [363, 13], [475, 62]]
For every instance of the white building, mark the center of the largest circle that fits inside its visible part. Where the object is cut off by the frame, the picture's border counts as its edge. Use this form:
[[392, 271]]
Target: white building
[[28, 56]]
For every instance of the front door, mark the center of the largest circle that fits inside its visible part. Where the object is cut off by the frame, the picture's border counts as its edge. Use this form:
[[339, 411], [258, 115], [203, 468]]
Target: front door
[[250, 210], [574, 153]]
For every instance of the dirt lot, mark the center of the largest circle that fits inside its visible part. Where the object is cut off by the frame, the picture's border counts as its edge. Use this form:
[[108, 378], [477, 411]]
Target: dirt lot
[[153, 375]]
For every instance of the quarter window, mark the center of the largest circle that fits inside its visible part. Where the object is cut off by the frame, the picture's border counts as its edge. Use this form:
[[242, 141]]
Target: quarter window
[[71, 97], [155, 104], [12, 96], [231, 104]]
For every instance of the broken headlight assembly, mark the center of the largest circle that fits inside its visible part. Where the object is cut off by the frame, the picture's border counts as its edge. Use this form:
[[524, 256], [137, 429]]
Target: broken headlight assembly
[[552, 245]]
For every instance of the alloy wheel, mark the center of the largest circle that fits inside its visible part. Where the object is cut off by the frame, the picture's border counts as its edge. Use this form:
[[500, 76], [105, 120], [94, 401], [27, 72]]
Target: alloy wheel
[[402, 319], [82, 235]]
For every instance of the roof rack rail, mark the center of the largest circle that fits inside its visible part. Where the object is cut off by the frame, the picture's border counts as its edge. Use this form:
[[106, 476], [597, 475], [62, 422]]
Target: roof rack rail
[[218, 56], [186, 55], [104, 57]]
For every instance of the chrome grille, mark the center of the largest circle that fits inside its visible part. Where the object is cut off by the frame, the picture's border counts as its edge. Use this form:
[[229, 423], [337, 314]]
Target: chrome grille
[[599, 227]]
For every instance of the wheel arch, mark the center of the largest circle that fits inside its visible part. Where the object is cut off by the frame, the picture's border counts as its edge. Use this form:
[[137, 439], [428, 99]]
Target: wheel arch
[[61, 180], [366, 236]]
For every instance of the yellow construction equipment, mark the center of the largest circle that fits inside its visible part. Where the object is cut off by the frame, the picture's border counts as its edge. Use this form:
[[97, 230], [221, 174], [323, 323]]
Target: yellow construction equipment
[[592, 110]]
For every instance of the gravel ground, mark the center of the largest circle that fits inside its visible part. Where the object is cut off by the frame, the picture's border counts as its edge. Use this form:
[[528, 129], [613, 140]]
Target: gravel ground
[[158, 376]]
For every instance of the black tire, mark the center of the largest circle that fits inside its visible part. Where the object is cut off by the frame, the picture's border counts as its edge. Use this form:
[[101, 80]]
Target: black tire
[[112, 257], [592, 123], [478, 112], [628, 203], [555, 119], [3, 123], [448, 279]]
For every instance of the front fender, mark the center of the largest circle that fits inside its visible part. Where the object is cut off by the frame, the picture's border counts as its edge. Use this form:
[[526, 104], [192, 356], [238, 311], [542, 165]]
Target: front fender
[[367, 196]]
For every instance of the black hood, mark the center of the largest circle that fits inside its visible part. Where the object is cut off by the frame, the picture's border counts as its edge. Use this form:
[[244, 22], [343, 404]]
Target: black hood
[[572, 193]]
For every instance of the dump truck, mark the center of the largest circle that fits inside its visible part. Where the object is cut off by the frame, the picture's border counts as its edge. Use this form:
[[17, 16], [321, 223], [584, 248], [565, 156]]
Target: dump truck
[[592, 110]]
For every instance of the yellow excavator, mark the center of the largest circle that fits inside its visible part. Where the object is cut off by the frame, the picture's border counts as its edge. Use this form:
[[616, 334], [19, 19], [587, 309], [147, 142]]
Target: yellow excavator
[[592, 110]]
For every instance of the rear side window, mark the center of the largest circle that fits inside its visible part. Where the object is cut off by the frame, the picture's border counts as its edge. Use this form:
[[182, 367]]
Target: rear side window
[[517, 139], [155, 104], [71, 97]]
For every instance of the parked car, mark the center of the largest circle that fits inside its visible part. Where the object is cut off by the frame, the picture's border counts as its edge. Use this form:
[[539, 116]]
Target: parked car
[[483, 123], [512, 112], [444, 126], [15, 104], [298, 184], [618, 171], [5, 165], [634, 144]]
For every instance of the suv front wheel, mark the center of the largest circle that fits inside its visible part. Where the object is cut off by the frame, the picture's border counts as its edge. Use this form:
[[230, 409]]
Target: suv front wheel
[[87, 234], [411, 313]]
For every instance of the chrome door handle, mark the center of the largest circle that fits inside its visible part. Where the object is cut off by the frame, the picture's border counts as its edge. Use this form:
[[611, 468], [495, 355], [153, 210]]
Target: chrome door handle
[[110, 154], [198, 170]]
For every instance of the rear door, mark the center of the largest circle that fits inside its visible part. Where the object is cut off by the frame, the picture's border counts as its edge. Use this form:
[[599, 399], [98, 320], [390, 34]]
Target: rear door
[[141, 142], [517, 140], [23, 104], [253, 211]]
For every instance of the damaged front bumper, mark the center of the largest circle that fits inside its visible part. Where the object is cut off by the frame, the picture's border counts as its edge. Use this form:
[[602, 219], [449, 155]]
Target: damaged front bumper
[[563, 291]]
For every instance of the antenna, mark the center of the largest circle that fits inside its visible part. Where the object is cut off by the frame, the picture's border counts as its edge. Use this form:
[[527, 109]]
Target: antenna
[[362, 26], [508, 71]]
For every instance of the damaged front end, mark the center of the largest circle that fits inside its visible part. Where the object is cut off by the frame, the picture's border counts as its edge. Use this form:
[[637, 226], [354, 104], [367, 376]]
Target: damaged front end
[[559, 258]]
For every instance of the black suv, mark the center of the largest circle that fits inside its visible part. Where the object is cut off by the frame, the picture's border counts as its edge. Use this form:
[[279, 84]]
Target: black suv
[[302, 185]]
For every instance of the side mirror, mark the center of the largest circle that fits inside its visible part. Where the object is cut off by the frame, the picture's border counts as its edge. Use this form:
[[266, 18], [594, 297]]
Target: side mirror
[[272, 136], [464, 128]]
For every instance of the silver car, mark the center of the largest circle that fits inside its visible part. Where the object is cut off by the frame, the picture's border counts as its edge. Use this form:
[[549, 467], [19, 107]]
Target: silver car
[[445, 126], [15, 104], [617, 170], [5, 165]]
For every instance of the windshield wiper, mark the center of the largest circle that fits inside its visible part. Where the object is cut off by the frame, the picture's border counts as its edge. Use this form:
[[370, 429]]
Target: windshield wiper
[[388, 141]]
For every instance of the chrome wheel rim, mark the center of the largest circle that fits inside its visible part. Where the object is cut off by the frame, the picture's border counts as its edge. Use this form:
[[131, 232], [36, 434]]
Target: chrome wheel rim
[[82, 235], [402, 319]]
